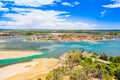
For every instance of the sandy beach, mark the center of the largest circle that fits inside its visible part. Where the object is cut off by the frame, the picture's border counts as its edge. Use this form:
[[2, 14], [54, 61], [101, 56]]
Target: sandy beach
[[16, 54], [27, 70]]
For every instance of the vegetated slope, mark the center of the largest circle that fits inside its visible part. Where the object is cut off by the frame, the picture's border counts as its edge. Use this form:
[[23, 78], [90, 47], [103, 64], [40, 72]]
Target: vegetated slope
[[77, 65]]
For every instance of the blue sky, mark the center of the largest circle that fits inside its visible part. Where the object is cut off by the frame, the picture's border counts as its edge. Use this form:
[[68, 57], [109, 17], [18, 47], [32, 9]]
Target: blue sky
[[60, 14]]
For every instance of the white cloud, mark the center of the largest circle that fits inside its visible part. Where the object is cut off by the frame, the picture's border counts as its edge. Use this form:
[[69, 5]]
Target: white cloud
[[103, 13], [67, 15], [1, 4], [3, 9], [34, 3], [116, 4], [70, 4], [67, 4], [39, 19], [29, 18], [76, 3]]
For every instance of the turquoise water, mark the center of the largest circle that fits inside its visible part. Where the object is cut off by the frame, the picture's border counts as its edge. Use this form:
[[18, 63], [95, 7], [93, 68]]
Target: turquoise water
[[55, 49]]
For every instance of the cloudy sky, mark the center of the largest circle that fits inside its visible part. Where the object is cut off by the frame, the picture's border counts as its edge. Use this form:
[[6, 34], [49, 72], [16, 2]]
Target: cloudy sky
[[60, 14]]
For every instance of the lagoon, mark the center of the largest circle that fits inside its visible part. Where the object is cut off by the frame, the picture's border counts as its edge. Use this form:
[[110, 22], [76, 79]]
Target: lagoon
[[55, 49]]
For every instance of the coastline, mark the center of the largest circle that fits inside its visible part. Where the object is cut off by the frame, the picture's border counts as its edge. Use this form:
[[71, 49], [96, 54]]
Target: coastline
[[38, 67], [25, 70], [16, 54], [92, 41]]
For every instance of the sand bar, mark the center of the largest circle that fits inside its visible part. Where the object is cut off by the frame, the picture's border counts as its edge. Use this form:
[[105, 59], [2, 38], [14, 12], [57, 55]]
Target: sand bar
[[16, 54], [2, 41], [27, 70]]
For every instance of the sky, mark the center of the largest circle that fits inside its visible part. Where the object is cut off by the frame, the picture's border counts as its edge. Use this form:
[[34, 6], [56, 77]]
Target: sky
[[60, 14]]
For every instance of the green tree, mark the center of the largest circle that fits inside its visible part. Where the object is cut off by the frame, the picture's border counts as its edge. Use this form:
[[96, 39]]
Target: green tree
[[117, 59], [117, 74], [94, 55], [29, 33], [104, 56], [112, 59]]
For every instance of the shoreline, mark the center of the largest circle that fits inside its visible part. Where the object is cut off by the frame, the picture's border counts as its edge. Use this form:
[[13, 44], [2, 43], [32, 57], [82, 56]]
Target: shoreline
[[25, 70], [9, 54], [92, 41], [22, 70], [41, 66], [66, 41], [66, 38]]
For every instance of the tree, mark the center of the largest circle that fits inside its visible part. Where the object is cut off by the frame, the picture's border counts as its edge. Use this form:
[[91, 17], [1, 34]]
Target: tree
[[117, 59], [117, 74], [29, 33], [112, 59], [94, 55], [79, 75], [104, 56]]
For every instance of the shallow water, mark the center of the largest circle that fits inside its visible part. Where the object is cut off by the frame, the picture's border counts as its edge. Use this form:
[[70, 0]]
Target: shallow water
[[55, 49]]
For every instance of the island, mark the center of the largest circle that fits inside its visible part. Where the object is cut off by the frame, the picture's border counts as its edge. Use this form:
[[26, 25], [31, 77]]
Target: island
[[59, 37]]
